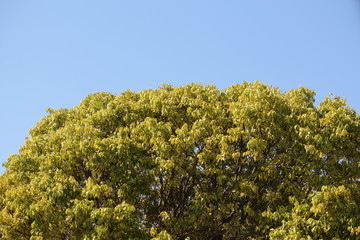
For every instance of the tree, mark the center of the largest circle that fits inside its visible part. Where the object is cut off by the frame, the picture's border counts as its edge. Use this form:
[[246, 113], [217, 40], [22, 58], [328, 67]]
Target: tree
[[190, 162]]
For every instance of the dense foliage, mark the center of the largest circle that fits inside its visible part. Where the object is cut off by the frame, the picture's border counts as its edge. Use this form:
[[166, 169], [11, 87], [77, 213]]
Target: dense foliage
[[190, 162]]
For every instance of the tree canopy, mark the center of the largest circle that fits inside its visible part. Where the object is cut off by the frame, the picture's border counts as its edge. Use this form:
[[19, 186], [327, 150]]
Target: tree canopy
[[190, 162]]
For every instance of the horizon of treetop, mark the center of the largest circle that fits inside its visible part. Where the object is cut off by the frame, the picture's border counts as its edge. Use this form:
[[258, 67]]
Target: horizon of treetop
[[189, 162]]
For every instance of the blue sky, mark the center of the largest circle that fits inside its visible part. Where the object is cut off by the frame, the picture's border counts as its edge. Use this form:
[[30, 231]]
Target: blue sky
[[55, 53]]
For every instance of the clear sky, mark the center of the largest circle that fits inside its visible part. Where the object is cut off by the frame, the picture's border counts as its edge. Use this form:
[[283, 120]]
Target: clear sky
[[54, 53]]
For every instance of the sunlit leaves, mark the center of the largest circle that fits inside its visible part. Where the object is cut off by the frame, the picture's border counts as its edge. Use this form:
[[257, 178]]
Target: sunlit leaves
[[332, 213]]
